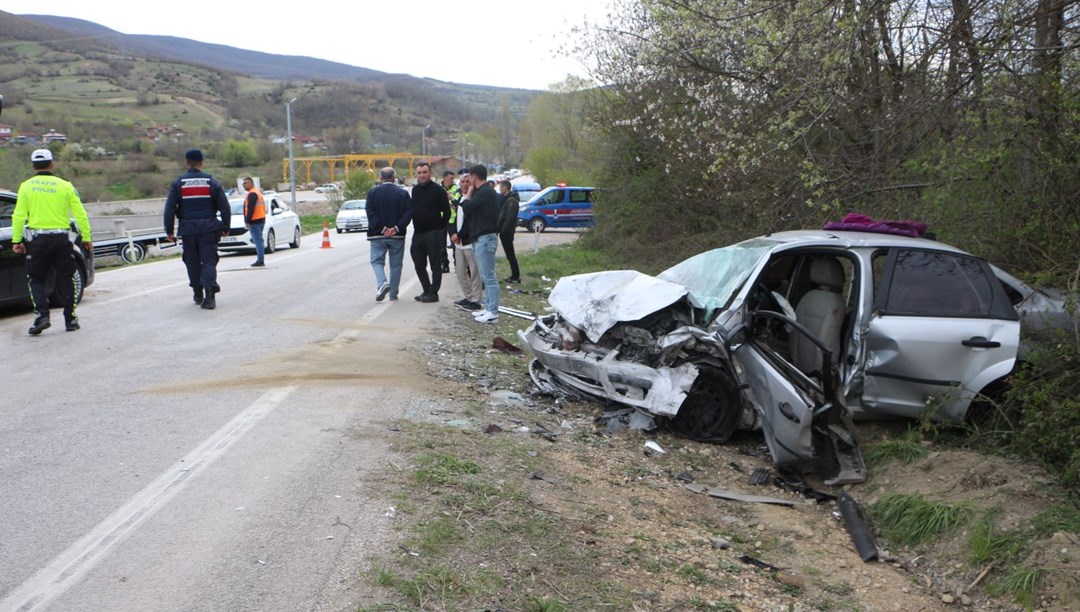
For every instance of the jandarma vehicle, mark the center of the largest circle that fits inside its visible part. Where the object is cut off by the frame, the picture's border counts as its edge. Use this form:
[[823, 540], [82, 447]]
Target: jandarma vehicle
[[558, 206], [282, 227], [788, 333], [13, 284]]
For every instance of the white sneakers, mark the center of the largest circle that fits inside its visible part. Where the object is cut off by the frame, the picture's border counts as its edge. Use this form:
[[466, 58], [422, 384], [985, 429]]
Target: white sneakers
[[483, 316], [381, 293]]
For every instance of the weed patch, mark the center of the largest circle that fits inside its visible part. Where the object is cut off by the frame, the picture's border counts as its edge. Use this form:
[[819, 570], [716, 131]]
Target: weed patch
[[910, 520]]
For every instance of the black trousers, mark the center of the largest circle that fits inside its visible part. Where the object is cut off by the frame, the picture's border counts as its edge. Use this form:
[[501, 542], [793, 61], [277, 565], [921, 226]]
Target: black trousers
[[51, 253], [429, 249], [201, 258], [507, 240]]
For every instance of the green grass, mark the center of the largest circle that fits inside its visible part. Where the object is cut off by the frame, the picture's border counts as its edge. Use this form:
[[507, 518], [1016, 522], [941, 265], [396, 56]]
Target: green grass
[[910, 520], [1021, 583], [310, 224], [905, 449], [987, 543]]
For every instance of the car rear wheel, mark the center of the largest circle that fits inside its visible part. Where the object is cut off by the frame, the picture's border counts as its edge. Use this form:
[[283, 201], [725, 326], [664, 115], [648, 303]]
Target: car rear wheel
[[295, 238], [710, 412], [537, 225], [271, 242]]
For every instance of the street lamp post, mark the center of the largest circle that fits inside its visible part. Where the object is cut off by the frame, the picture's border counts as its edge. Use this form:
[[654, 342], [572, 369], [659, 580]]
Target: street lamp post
[[292, 170], [423, 141]]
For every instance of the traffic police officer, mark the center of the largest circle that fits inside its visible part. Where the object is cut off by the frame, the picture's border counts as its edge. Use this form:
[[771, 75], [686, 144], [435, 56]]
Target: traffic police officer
[[198, 199], [42, 216]]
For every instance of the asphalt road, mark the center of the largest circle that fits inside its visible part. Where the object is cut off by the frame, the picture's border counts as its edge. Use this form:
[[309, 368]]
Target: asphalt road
[[166, 457]]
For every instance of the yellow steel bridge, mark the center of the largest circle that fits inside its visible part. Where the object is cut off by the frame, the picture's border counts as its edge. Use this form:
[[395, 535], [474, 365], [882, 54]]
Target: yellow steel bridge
[[350, 163]]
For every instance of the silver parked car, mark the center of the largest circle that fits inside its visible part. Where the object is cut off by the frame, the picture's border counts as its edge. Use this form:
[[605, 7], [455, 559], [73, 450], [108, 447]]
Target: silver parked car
[[790, 333]]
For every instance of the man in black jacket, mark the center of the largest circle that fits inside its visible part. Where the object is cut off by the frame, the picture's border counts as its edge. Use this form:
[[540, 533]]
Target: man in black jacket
[[431, 211], [389, 210], [508, 227], [480, 204]]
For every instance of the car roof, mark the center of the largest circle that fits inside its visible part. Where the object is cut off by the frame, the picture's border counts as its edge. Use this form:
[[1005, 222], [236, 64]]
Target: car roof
[[855, 239]]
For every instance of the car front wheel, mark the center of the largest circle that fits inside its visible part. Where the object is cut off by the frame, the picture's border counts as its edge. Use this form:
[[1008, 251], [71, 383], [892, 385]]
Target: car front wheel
[[271, 242], [295, 238], [710, 412], [537, 225]]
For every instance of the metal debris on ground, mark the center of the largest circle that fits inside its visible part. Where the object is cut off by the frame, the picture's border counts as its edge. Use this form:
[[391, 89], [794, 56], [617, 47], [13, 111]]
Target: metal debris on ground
[[857, 527], [760, 476], [500, 344], [652, 447], [733, 496], [514, 312], [759, 563], [787, 479]]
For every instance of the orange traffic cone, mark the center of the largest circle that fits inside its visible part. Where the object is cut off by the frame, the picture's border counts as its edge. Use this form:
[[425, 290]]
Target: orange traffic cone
[[325, 236]]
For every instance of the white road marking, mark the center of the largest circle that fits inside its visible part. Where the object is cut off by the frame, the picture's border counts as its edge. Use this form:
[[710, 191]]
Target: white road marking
[[70, 566]]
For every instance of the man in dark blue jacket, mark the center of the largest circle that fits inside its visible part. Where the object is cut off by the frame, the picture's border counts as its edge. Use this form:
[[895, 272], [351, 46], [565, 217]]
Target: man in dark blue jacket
[[199, 201], [389, 210]]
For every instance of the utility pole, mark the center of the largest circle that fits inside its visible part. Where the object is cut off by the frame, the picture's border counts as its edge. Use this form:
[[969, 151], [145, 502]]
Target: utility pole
[[292, 169]]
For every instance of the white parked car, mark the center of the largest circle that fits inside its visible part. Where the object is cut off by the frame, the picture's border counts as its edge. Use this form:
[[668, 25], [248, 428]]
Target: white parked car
[[327, 188], [352, 216], [282, 227]]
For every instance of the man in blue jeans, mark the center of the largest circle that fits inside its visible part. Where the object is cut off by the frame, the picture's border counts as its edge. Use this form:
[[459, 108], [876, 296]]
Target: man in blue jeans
[[481, 207], [389, 211]]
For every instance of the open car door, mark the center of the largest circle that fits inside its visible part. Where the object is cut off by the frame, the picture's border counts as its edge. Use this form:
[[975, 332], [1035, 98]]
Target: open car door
[[804, 419]]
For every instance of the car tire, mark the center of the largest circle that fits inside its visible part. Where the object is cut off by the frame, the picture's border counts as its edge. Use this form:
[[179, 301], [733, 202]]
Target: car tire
[[339, 230], [79, 278], [710, 412], [295, 244], [537, 225], [271, 242]]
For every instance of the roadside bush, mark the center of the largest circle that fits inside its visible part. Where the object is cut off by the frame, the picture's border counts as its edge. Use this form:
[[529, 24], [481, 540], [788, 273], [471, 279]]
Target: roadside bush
[[1046, 400]]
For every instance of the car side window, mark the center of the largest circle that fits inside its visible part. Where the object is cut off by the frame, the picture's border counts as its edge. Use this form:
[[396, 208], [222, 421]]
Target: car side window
[[7, 210], [938, 284], [579, 196]]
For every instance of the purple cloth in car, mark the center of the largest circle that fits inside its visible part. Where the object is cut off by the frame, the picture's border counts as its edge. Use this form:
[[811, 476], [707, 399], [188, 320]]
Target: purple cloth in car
[[861, 223]]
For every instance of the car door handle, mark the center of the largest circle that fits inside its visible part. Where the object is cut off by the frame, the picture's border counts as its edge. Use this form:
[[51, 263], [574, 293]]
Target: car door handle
[[980, 342]]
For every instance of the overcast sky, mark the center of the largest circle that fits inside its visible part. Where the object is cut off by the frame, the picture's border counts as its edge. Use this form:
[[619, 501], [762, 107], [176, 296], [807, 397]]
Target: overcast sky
[[518, 42]]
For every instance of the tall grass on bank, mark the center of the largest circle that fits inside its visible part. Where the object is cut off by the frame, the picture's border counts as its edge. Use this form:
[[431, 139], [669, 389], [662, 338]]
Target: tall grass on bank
[[910, 520]]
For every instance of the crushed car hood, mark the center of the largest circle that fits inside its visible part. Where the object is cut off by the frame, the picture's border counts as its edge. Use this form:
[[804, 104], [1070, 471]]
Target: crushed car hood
[[595, 302]]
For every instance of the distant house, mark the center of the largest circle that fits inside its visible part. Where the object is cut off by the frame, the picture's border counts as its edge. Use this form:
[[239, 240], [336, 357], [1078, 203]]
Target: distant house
[[24, 140], [157, 132], [53, 136], [6, 132]]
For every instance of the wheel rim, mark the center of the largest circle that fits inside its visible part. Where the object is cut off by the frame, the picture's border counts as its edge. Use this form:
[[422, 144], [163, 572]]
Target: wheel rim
[[537, 225], [710, 411], [77, 280], [296, 238], [270, 242], [132, 253]]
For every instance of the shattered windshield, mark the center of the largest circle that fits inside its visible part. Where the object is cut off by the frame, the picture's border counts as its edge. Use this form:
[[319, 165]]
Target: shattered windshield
[[713, 277]]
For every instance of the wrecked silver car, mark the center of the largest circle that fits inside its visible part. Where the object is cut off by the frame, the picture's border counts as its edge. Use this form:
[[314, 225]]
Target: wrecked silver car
[[790, 333]]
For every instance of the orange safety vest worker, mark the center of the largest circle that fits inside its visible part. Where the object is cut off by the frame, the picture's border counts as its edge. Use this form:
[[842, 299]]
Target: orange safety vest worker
[[256, 213]]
